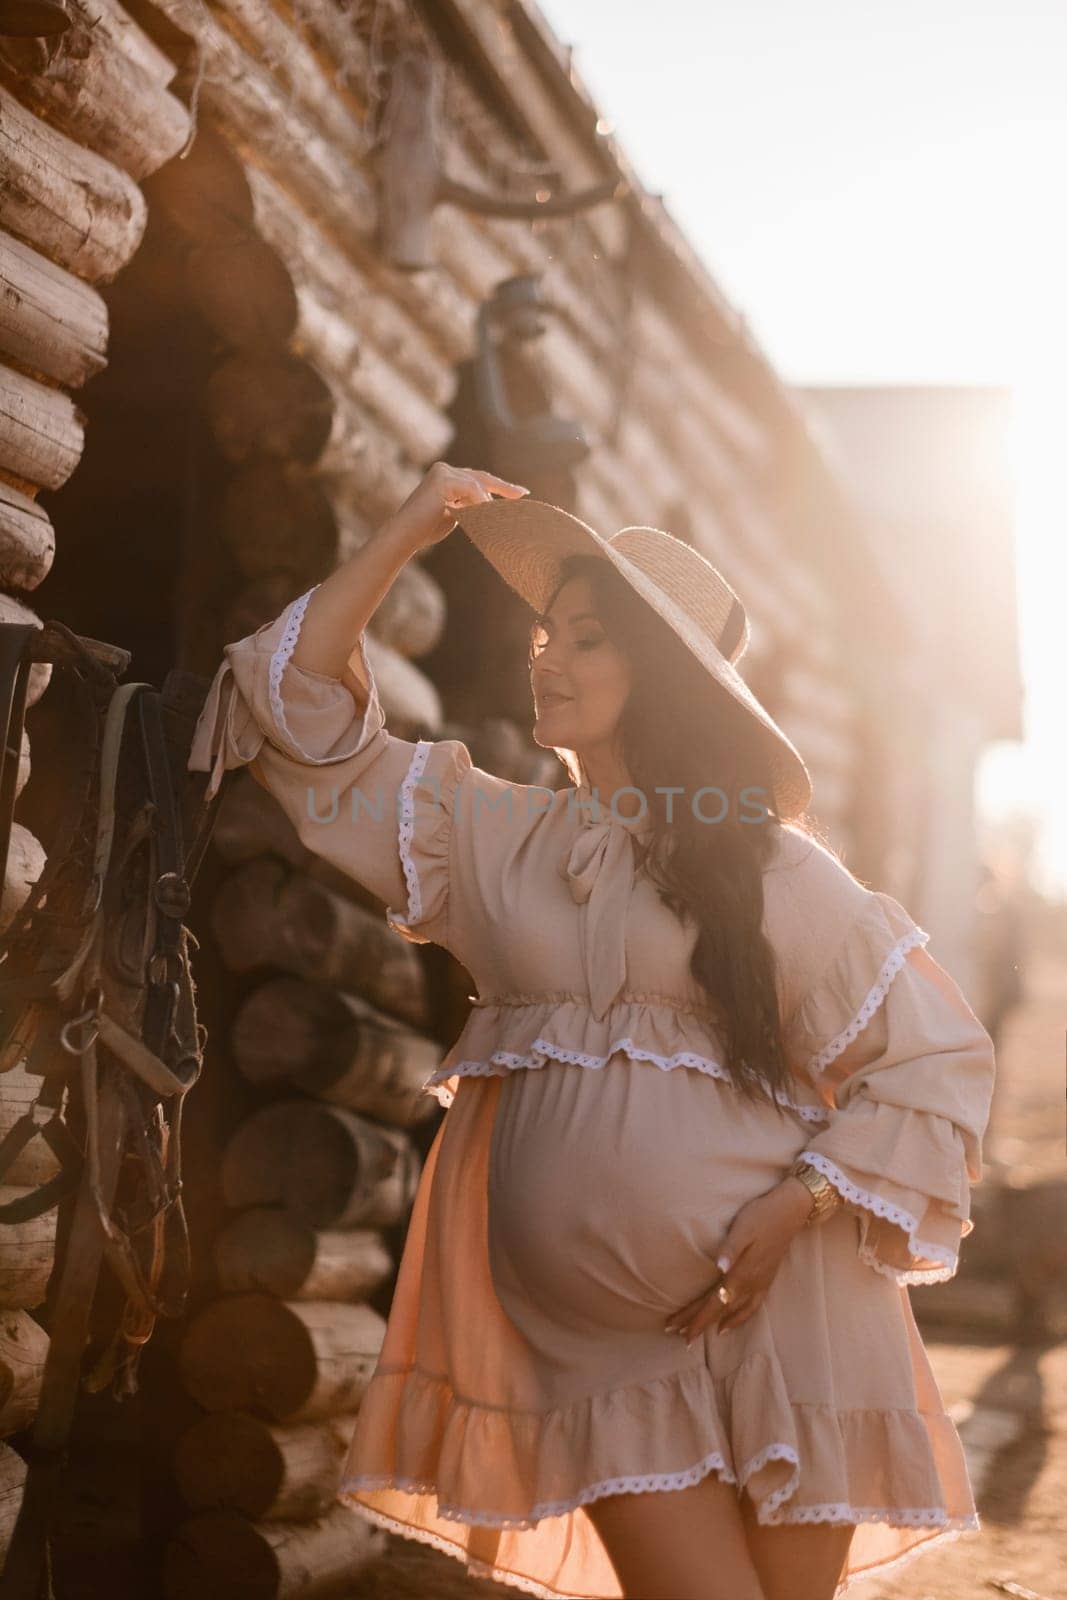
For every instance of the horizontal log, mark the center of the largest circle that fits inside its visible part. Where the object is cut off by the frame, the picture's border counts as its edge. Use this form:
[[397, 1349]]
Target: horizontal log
[[27, 540], [270, 403], [572, 147], [335, 345], [329, 120], [36, 1163], [433, 320], [221, 1553], [50, 321], [411, 616], [728, 418], [251, 823], [622, 486], [255, 111], [233, 1461], [98, 94], [699, 440], [41, 430], [25, 863], [329, 276], [26, 1253], [242, 290], [117, 25], [596, 502], [292, 1361], [205, 195], [513, 247], [275, 518], [277, 404], [645, 474], [266, 1248], [254, 1156], [40, 675], [725, 526], [719, 484], [410, 702], [79, 210], [335, 1047], [367, 464], [246, 99], [266, 916], [23, 1349], [306, 141], [13, 1471], [342, 1171]]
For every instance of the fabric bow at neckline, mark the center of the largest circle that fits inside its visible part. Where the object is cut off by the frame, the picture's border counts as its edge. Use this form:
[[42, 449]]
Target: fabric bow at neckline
[[599, 867]]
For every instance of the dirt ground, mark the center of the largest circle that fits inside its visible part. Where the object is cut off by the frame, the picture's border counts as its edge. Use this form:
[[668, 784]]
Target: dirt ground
[[1010, 1400], [1022, 1497]]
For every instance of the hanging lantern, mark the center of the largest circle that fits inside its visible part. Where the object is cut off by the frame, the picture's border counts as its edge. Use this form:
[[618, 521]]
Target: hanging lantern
[[33, 19]]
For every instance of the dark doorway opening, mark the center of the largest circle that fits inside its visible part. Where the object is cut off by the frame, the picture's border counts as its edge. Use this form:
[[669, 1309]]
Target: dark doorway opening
[[125, 523]]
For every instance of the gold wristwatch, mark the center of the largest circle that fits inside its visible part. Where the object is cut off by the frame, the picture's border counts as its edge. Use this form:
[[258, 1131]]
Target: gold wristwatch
[[825, 1196]]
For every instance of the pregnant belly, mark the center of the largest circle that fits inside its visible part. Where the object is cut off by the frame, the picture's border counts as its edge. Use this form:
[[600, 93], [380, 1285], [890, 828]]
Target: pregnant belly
[[611, 1189]]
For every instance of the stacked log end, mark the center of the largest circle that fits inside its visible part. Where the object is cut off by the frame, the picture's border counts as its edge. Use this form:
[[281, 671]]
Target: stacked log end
[[216, 1551], [76, 138], [280, 1359], [332, 1042], [318, 1181], [25, 1265]]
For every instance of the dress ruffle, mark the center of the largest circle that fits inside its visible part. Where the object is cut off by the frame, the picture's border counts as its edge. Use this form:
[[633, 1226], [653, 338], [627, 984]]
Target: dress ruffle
[[905, 1068], [854, 983], [859, 1465], [450, 1448], [378, 807], [524, 1033], [427, 801]]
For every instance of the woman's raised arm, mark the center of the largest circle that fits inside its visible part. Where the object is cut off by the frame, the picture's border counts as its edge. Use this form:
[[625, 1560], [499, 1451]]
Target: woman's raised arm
[[297, 702], [342, 606]]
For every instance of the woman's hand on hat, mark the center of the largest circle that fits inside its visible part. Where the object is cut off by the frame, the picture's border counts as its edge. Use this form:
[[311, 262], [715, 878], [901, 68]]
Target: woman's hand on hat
[[428, 514], [751, 1254]]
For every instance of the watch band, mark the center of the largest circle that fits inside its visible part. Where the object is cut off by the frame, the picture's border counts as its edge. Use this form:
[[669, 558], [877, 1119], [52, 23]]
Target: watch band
[[825, 1197]]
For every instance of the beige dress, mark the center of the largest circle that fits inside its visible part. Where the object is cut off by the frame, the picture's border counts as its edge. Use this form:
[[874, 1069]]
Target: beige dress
[[594, 1153]]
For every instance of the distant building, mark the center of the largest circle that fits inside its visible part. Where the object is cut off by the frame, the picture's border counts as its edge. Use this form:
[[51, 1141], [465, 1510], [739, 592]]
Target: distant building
[[927, 468]]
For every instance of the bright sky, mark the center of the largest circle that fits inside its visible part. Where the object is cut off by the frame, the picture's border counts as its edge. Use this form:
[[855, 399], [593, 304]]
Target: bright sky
[[879, 188]]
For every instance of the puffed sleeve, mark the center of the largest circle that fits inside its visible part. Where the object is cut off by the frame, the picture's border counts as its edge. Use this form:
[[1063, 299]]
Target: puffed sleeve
[[905, 1068], [377, 807]]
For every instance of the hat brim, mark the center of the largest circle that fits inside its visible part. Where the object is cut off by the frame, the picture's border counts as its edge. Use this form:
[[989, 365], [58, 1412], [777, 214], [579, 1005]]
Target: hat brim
[[526, 542]]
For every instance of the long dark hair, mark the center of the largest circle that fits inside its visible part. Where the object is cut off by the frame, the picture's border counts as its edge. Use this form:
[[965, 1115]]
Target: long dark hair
[[712, 872]]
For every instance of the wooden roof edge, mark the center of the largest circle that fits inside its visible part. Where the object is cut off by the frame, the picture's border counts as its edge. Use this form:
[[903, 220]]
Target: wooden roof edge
[[711, 321]]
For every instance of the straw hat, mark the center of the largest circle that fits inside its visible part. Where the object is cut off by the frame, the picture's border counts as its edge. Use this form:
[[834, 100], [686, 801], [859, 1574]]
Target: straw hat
[[526, 541]]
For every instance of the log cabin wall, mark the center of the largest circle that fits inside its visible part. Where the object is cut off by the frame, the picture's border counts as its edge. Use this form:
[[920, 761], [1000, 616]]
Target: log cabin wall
[[231, 156], [75, 144]]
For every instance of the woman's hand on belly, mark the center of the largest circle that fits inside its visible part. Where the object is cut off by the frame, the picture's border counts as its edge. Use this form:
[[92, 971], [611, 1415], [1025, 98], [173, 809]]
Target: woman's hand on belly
[[757, 1239]]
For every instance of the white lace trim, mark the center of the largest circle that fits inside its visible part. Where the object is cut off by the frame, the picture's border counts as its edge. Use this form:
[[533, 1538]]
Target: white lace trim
[[543, 1050], [280, 660], [405, 834], [892, 1213], [893, 963], [638, 1484], [838, 1512], [475, 1567], [896, 1516], [909, 1275], [954, 1528], [774, 1452]]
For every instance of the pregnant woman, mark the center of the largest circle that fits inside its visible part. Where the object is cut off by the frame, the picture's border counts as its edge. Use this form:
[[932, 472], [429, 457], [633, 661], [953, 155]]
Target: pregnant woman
[[714, 1110]]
